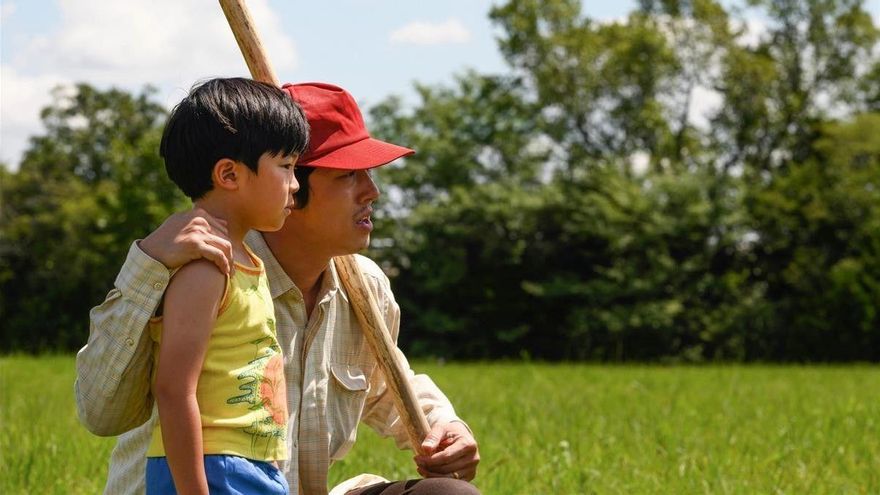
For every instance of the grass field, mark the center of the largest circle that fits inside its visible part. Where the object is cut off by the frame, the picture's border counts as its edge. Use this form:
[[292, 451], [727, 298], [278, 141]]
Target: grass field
[[548, 429]]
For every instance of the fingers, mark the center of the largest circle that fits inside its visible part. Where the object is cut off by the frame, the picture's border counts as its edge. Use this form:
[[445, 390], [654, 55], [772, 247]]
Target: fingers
[[220, 240], [219, 252], [466, 473], [460, 466], [205, 236], [457, 454], [200, 221], [217, 226], [453, 445], [432, 440], [188, 236], [450, 456], [212, 242]]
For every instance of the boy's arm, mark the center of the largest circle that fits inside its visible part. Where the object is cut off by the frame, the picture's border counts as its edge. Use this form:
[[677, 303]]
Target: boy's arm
[[191, 304], [113, 370]]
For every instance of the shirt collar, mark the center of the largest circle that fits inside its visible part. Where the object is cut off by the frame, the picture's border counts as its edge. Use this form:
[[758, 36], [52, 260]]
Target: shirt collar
[[334, 282], [279, 282]]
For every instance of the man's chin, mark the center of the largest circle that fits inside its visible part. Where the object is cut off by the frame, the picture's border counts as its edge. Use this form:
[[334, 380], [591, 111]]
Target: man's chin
[[355, 248], [364, 244]]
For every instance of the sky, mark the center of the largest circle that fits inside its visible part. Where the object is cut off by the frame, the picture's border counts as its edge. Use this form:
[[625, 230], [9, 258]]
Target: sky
[[373, 48]]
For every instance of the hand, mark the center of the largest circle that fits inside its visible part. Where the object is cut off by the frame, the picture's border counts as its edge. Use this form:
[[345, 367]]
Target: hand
[[188, 236], [450, 451]]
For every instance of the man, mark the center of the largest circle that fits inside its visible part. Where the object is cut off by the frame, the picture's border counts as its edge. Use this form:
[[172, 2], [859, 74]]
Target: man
[[332, 379]]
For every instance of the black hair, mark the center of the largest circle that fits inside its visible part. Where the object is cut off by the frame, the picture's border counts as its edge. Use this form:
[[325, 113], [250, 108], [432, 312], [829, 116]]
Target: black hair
[[233, 118], [301, 197]]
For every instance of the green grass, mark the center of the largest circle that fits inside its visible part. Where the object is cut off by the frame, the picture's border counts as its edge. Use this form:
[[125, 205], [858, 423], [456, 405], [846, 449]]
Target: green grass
[[549, 429]]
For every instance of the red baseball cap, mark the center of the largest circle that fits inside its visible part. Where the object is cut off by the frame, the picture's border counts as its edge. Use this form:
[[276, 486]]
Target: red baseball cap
[[338, 136]]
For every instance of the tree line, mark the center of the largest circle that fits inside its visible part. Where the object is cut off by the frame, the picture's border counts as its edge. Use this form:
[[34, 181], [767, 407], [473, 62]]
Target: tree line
[[586, 204]]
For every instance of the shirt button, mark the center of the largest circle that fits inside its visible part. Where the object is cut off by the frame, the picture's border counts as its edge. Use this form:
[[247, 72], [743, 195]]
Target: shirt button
[[129, 342], [157, 286]]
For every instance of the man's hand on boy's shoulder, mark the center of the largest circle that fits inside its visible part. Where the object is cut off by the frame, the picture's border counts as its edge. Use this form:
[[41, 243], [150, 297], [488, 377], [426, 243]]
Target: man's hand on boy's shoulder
[[188, 236]]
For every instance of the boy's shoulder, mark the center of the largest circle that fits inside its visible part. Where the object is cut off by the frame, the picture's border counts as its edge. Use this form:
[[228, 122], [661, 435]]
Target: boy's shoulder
[[201, 267], [199, 275]]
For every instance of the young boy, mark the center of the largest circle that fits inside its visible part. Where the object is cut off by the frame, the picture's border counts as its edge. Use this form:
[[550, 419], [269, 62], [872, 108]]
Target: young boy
[[231, 146]]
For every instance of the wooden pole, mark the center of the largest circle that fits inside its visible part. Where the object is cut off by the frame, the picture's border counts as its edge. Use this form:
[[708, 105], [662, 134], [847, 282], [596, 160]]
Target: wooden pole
[[379, 339], [249, 43], [365, 308]]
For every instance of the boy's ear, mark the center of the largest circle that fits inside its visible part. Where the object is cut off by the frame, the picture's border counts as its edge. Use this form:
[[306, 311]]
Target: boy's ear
[[226, 174]]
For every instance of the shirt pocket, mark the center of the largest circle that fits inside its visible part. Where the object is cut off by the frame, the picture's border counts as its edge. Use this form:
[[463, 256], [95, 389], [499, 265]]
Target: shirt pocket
[[345, 399]]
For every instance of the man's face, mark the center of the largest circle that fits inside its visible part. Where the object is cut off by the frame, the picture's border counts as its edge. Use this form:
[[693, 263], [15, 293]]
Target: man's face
[[336, 219]]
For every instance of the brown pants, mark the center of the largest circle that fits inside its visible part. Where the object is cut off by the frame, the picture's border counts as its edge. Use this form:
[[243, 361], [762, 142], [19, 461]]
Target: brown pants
[[427, 486]]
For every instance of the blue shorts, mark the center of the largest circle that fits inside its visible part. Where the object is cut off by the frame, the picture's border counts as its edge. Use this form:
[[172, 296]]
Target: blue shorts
[[227, 475]]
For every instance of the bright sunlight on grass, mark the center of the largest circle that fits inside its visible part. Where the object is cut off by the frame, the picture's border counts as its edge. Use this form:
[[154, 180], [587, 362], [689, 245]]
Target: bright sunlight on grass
[[548, 429]]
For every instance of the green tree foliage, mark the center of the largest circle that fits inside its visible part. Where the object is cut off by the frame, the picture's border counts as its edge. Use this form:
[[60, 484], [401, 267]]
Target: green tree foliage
[[580, 206], [576, 208], [84, 190], [818, 248]]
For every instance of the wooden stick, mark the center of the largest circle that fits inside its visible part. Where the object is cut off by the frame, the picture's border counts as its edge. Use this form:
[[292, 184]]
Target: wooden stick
[[365, 308], [249, 43], [379, 339]]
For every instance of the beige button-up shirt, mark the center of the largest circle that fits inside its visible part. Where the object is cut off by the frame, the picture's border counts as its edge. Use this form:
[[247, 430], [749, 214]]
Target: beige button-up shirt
[[332, 380]]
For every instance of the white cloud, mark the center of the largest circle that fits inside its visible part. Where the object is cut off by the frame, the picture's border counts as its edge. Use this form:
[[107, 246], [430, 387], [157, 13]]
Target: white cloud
[[612, 20], [167, 43], [427, 33], [138, 41], [6, 11], [705, 102], [640, 160], [753, 31], [22, 98]]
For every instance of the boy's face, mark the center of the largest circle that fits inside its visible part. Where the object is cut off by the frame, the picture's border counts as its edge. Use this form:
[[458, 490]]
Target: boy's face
[[336, 220], [270, 191]]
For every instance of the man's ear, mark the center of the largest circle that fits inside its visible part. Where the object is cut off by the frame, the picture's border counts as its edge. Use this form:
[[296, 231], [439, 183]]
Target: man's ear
[[227, 174]]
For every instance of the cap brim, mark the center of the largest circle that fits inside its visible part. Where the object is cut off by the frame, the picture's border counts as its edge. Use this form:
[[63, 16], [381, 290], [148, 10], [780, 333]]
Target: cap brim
[[364, 154]]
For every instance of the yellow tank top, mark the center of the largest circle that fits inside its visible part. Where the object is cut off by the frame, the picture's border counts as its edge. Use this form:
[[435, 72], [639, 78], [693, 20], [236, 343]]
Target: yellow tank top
[[241, 391]]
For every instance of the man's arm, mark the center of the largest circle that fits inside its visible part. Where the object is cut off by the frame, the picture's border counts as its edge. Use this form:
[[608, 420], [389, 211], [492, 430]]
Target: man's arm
[[451, 446], [191, 304], [113, 370]]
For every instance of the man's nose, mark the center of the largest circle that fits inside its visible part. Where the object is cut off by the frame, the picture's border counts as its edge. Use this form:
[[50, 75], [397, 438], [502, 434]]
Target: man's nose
[[369, 190]]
